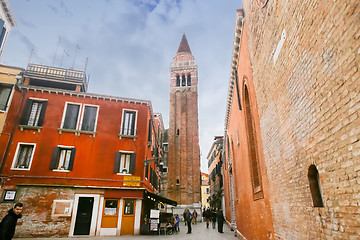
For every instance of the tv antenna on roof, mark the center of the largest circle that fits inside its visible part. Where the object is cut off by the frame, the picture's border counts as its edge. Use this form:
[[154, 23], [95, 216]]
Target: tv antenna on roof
[[57, 45], [77, 47]]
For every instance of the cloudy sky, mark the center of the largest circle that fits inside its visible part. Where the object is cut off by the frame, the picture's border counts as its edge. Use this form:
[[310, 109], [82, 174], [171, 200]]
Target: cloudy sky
[[130, 45]]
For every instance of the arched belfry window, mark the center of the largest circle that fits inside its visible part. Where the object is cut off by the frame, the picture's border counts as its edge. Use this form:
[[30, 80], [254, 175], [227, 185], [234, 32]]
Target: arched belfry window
[[252, 147], [183, 82], [189, 79], [314, 183], [177, 80]]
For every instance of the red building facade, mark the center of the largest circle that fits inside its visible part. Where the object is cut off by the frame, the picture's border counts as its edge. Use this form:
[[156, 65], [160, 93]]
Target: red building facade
[[81, 163], [247, 204]]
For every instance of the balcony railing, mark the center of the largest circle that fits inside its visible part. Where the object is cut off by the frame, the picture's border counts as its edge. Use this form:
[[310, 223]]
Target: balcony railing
[[66, 75]]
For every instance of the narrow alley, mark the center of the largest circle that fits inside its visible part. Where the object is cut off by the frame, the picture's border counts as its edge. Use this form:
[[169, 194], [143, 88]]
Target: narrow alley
[[199, 232]]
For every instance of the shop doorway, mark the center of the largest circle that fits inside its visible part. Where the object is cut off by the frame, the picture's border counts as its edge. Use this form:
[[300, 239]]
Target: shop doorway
[[128, 217]]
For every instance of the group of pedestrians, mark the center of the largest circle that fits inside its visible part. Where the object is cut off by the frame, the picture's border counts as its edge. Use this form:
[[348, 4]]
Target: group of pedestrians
[[214, 216]]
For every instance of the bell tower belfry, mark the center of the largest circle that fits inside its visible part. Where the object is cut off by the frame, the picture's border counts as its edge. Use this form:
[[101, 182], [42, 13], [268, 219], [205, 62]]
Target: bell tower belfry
[[184, 151]]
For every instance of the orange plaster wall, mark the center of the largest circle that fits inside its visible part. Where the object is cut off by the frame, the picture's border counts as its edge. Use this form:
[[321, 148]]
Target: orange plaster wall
[[253, 217], [95, 156]]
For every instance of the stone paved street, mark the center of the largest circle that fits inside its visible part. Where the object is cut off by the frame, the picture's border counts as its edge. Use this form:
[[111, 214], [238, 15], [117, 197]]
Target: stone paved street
[[199, 232]]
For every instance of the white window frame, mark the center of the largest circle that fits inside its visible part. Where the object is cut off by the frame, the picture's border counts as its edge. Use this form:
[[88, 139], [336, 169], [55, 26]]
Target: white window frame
[[63, 147], [82, 110], [64, 114], [122, 122], [80, 117], [10, 96], [128, 170], [17, 153], [38, 100], [65, 214]]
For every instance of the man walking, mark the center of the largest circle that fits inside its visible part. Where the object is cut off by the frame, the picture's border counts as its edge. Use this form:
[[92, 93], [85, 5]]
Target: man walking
[[8, 224], [220, 219], [188, 218]]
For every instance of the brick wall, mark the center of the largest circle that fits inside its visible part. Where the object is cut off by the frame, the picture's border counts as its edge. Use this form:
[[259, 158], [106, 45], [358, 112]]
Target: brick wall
[[307, 89], [37, 219]]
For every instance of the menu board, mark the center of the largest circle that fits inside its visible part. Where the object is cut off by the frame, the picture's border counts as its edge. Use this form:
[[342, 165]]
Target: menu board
[[154, 223]]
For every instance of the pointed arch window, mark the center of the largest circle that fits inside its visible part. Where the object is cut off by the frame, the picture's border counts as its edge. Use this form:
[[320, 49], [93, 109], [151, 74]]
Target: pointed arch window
[[314, 183], [189, 79], [177, 80], [252, 148], [183, 82]]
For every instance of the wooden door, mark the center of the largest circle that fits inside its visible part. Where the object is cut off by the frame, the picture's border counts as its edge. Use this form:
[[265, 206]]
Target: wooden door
[[111, 213], [128, 217], [83, 216]]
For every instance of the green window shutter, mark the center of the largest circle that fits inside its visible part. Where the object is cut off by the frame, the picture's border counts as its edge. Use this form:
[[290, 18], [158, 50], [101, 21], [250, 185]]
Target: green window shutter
[[132, 163], [54, 158], [117, 162], [72, 157], [25, 116], [42, 113]]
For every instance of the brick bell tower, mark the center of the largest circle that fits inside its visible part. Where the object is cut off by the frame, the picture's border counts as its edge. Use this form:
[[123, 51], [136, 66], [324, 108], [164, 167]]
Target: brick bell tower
[[184, 151]]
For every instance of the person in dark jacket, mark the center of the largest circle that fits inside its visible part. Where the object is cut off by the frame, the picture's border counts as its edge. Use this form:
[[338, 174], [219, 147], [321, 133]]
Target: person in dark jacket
[[188, 217], [8, 224], [207, 216], [213, 218], [221, 220]]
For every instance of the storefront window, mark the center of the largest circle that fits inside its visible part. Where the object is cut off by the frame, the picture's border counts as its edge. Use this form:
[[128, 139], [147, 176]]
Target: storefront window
[[129, 207], [111, 207]]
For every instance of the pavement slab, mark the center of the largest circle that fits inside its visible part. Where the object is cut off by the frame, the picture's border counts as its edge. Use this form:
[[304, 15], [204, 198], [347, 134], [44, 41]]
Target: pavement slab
[[199, 232]]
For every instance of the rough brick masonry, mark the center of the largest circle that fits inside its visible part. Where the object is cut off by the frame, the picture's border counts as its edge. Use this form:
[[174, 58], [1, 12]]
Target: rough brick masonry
[[308, 100]]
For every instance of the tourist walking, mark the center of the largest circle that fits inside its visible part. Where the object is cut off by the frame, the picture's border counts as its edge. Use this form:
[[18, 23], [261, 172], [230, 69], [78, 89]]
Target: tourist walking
[[8, 223], [220, 220]]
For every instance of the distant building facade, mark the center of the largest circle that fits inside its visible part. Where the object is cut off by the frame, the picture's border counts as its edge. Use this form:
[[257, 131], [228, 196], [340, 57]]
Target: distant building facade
[[205, 191], [292, 122], [215, 163], [184, 151], [8, 80], [82, 163], [7, 22]]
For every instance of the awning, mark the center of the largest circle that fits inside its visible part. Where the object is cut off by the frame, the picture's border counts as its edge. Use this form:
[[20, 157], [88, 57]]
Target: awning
[[159, 198]]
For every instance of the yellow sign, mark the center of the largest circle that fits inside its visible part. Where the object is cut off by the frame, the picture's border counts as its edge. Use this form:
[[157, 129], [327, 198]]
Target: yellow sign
[[134, 181]]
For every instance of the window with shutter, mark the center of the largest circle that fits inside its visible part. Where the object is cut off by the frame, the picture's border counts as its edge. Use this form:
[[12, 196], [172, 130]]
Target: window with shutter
[[125, 163], [128, 123], [89, 118], [5, 93], [63, 158], [72, 112], [150, 131], [23, 157], [34, 113], [71, 116]]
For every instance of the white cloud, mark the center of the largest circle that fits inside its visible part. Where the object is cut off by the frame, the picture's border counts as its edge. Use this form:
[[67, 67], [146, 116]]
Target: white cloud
[[130, 45]]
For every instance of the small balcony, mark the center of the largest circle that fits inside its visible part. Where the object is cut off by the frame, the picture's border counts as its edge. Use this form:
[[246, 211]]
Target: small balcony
[[47, 76]]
